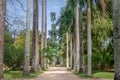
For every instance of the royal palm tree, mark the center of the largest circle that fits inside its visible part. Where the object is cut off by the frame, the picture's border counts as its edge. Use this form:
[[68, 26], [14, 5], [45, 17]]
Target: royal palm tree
[[89, 46], [82, 68], [2, 33], [67, 50], [116, 26], [27, 42], [43, 37], [53, 34], [53, 17], [77, 36], [35, 46], [67, 25]]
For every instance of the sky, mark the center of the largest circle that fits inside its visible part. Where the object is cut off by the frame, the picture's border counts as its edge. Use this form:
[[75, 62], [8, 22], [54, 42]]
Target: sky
[[54, 6], [14, 10]]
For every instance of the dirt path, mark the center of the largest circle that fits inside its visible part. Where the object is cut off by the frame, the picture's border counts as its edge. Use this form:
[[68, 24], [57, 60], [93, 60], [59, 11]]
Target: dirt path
[[60, 73]]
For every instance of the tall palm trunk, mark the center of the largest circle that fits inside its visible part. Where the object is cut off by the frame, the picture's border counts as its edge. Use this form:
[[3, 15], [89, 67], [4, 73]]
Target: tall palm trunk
[[35, 52], [43, 35], [82, 68], [2, 33], [74, 51], [45, 32], [77, 36], [116, 26], [67, 53], [27, 42], [71, 53], [89, 46]]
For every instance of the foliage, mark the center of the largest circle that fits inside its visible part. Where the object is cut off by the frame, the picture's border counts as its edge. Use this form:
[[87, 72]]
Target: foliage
[[14, 53], [102, 39], [50, 52], [19, 75], [52, 41]]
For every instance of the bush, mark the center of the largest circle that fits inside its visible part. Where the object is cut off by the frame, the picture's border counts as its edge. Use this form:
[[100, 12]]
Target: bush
[[13, 55]]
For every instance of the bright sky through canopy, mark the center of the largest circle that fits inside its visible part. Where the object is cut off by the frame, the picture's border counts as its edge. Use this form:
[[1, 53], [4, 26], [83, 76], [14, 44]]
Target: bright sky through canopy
[[14, 10]]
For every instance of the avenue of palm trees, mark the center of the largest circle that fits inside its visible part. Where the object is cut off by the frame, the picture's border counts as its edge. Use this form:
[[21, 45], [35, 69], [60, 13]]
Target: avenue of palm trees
[[88, 38]]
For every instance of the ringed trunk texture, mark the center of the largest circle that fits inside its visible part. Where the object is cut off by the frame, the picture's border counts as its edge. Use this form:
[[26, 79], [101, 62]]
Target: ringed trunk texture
[[71, 53], [82, 68], [77, 37], [43, 37], [67, 53], [35, 52], [26, 70], [2, 34], [89, 50], [46, 66], [116, 29], [74, 51]]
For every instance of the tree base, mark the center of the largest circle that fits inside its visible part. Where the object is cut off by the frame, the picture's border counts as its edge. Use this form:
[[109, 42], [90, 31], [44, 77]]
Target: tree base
[[82, 71], [26, 73], [117, 76], [1, 78], [34, 70]]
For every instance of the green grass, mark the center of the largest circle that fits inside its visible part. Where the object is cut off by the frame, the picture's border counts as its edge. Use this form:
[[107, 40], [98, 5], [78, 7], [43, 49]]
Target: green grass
[[97, 74], [80, 74], [19, 74], [103, 75]]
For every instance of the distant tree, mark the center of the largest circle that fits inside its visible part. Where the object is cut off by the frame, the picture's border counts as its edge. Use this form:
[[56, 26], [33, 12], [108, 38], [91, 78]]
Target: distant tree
[[53, 17], [53, 33]]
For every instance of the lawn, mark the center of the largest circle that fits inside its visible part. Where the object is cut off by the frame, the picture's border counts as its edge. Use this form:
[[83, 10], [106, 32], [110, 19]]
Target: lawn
[[97, 74], [19, 75]]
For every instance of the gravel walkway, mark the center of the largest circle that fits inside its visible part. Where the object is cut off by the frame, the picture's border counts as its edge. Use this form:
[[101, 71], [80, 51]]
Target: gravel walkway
[[60, 73]]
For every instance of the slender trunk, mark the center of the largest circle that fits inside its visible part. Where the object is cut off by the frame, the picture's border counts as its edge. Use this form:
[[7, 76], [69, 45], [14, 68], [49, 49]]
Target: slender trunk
[[67, 54], [71, 53], [43, 39], [74, 51], [45, 33], [62, 61], [77, 36], [89, 46], [82, 69], [27, 42], [35, 52], [2, 33], [116, 29]]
